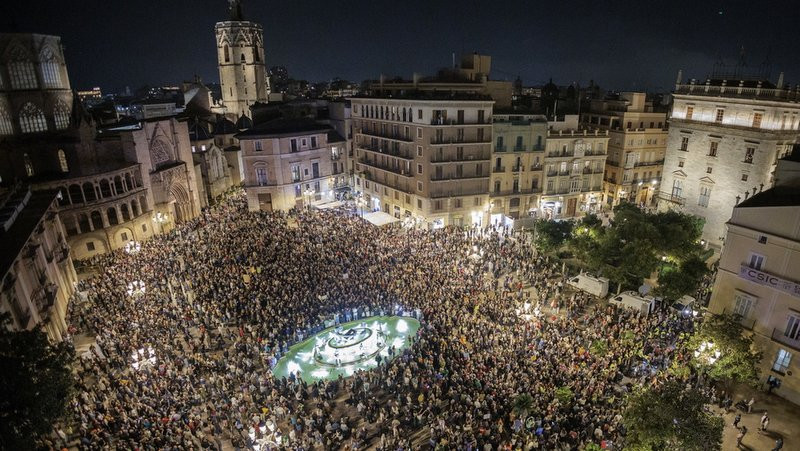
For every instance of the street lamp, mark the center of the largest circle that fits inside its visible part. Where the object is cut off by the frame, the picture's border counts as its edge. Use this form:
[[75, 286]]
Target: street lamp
[[707, 353], [160, 218], [132, 247], [136, 288]]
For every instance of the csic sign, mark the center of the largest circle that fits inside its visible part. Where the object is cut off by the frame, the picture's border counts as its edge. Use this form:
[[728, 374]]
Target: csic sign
[[762, 278]]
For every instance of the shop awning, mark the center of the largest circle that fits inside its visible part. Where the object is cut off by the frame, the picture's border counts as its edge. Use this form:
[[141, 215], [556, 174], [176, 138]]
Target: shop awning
[[380, 219]]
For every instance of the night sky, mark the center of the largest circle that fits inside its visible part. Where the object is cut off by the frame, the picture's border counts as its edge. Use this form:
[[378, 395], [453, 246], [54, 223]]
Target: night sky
[[620, 44]]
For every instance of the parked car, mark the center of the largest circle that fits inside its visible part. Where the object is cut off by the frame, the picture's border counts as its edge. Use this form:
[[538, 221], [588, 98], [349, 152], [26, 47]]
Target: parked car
[[686, 306], [633, 300], [597, 286]]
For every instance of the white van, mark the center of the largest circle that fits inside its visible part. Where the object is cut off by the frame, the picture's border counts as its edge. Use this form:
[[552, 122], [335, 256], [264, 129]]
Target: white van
[[597, 286], [635, 301]]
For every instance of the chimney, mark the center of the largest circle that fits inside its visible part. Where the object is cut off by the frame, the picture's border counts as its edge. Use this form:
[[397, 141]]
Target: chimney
[[680, 77], [780, 81], [415, 78]]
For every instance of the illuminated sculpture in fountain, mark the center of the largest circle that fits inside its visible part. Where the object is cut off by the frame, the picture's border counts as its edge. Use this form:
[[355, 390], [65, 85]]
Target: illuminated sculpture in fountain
[[348, 346]]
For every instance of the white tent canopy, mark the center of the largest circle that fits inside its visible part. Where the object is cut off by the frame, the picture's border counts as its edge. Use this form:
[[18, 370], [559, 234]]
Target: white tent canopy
[[380, 219], [328, 205]]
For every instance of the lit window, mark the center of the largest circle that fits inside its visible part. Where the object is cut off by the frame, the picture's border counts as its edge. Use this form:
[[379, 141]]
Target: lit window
[[28, 164], [782, 361], [51, 74], [689, 112], [6, 127], [749, 154], [705, 195], [31, 119], [712, 149], [23, 75], [61, 116], [742, 303], [62, 160]]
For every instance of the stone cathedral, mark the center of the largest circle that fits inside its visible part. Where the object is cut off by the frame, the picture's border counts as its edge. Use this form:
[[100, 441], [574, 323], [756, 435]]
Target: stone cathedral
[[240, 56]]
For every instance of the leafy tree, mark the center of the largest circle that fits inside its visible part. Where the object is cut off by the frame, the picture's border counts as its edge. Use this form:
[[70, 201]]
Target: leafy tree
[[522, 405], [684, 279], [35, 385], [564, 395], [550, 235], [670, 416], [738, 359]]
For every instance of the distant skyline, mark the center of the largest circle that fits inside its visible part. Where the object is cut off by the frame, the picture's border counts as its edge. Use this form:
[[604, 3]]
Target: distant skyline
[[620, 44]]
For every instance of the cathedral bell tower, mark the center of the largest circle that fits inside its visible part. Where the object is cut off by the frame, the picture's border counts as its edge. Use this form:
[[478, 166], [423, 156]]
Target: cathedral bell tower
[[240, 57]]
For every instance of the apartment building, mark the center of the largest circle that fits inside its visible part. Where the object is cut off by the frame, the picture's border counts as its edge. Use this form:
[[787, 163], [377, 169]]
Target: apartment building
[[290, 163], [636, 147], [574, 161], [759, 277], [725, 137], [424, 155], [518, 158], [36, 269]]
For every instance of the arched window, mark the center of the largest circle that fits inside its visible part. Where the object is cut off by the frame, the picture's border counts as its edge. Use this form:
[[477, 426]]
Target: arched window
[[75, 194], [135, 208], [31, 119], [256, 53], [61, 115], [227, 52], [242, 58], [89, 193], [112, 216], [6, 128], [62, 160], [126, 214], [23, 74], [51, 73], [28, 164], [97, 220]]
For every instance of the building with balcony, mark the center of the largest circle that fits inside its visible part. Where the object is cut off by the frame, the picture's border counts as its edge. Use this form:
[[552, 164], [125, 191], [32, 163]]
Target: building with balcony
[[636, 147], [518, 156], [113, 179], [574, 161], [725, 137], [424, 155], [759, 277], [290, 163], [37, 277]]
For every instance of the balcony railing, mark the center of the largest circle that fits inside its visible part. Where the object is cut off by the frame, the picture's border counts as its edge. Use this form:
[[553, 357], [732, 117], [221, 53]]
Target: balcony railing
[[395, 170], [386, 151], [738, 91], [451, 140], [648, 163], [560, 154], [498, 169], [500, 148], [779, 335], [747, 323], [393, 136], [517, 168], [443, 121], [462, 159], [536, 167], [519, 148], [669, 197]]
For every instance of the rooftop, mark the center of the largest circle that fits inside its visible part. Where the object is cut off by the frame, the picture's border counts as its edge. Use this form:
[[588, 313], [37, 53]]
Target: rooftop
[[779, 196], [438, 95], [285, 126], [29, 211]]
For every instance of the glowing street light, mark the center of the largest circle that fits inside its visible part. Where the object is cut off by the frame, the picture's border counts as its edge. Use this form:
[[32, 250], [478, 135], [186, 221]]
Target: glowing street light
[[136, 288], [707, 352], [132, 247]]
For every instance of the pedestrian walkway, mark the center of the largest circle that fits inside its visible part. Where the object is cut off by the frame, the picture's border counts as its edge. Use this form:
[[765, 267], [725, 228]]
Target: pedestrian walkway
[[784, 422]]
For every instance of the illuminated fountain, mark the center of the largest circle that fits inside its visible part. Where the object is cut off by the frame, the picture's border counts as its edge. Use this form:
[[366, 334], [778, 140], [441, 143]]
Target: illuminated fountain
[[347, 346]]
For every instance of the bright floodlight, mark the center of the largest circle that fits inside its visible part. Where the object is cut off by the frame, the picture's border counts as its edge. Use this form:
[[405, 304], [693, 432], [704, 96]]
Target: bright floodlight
[[402, 326], [132, 247], [136, 288]]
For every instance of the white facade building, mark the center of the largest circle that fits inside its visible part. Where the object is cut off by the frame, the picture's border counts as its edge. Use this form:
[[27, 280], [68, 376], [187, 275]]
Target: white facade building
[[724, 140]]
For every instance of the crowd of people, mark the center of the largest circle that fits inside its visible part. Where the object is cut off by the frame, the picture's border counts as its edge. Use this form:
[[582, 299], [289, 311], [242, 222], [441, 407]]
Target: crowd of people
[[185, 362]]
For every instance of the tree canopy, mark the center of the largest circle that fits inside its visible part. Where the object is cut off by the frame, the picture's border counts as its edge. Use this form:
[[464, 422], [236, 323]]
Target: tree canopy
[[35, 385], [636, 243], [670, 416], [551, 235], [738, 359]]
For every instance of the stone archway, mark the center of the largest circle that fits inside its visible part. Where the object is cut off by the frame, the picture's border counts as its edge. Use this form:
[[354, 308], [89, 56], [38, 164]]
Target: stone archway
[[182, 205]]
